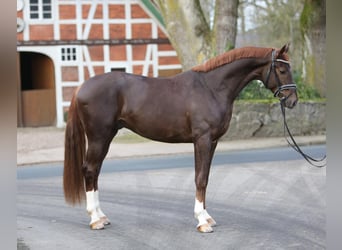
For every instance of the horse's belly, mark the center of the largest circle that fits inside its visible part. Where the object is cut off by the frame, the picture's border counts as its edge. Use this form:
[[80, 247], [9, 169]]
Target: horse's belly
[[161, 130]]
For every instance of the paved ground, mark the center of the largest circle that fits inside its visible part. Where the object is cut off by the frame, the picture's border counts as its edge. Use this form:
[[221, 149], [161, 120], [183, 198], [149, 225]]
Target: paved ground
[[44, 145], [265, 205]]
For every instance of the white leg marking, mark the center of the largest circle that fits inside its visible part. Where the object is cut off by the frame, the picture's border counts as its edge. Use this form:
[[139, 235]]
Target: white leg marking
[[198, 207], [199, 213], [91, 207], [97, 205], [100, 214], [202, 215], [208, 218]]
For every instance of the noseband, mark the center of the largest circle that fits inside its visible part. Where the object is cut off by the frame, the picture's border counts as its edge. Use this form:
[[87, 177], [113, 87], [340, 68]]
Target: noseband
[[280, 87]]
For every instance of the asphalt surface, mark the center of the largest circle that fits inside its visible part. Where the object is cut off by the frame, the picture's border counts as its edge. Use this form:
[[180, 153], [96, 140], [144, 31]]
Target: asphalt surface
[[176, 161], [261, 199]]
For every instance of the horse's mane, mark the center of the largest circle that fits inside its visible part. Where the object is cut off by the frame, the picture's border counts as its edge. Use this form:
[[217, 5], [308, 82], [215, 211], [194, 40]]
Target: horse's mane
[[232, 55]]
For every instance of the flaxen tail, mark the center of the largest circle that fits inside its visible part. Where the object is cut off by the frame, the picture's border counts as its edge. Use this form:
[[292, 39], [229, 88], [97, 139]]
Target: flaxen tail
[[74, 153]]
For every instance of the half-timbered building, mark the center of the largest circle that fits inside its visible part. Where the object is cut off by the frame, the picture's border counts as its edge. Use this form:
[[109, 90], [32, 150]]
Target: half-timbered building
[[62, 43]]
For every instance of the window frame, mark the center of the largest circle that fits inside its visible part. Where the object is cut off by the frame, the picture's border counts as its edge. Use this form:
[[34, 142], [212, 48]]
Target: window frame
[[40, 9], [68, 54]]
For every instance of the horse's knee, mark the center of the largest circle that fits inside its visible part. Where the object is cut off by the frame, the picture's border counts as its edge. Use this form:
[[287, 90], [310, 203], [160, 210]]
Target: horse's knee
[[87, 171], [201, 181]]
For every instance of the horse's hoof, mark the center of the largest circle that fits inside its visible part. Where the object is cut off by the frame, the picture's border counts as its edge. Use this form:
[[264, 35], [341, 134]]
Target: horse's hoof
[[105, 221], [206, 228], [97, 225], [211, 222]]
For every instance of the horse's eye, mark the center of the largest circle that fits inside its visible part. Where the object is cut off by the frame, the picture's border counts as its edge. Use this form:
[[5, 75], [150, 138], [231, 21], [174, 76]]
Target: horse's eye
[[282, 71]]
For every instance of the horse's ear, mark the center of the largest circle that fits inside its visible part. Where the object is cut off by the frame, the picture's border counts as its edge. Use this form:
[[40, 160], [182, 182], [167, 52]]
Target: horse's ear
[[284, 49]]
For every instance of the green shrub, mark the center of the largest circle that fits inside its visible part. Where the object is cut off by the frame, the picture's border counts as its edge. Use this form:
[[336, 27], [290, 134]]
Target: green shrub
[[305, 91], [255, 90]]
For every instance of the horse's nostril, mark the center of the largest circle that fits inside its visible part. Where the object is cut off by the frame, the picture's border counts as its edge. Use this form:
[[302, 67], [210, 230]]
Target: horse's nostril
[[291, 103]]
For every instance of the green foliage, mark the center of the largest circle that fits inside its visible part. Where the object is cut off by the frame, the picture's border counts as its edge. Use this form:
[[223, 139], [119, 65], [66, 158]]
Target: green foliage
[[278, 22], [305, 91], [257, 91]]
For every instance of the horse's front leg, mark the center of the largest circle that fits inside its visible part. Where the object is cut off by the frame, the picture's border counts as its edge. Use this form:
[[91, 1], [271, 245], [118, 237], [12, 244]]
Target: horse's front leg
[[204, 151]]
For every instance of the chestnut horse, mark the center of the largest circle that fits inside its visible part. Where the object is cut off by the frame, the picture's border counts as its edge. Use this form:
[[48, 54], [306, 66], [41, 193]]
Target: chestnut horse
[[193, 107]]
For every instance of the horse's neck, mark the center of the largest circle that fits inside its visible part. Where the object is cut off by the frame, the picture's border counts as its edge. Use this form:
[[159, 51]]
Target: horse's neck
[[231, 78]]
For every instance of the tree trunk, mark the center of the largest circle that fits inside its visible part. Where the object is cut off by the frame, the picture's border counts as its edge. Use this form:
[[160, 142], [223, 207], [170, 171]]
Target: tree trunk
[[225, 25], [187, 30], [313, 28], [190, 33]]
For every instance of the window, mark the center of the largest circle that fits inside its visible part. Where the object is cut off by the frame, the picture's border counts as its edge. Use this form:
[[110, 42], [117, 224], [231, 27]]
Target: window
[[68, 54], [118, 69], [40, 9]]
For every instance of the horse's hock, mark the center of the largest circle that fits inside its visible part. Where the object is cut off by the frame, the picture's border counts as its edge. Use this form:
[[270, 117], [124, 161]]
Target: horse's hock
[[252, 119]]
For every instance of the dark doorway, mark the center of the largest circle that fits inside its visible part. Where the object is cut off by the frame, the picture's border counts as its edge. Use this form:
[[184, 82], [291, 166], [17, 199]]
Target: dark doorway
[[37, 97]]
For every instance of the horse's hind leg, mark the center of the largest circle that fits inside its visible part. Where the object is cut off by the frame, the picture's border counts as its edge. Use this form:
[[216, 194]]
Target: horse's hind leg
[[98, 146]]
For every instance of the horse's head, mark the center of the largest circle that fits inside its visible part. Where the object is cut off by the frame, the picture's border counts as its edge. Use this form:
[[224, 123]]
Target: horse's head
[[278, 77]]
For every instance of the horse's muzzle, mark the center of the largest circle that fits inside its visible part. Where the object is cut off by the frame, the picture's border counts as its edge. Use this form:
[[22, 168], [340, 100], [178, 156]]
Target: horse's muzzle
[[287, 95], [290, 100]]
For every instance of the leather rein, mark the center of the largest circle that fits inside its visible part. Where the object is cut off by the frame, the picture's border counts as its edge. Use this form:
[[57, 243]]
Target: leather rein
[[312, 161], [319, 163]]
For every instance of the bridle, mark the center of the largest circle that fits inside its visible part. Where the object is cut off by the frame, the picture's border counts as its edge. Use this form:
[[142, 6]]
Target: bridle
[[280, 86], [314, 162]]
